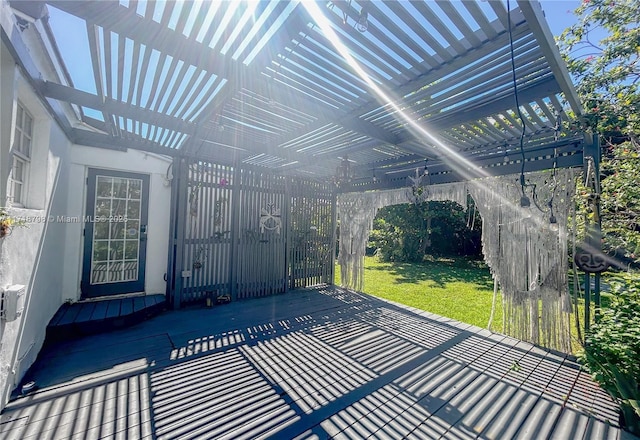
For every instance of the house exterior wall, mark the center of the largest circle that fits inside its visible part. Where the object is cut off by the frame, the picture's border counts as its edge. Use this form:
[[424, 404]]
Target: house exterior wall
[[31, 256]]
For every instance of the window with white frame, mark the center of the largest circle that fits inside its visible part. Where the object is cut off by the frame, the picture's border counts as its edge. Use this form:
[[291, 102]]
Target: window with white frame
[[21, 152]]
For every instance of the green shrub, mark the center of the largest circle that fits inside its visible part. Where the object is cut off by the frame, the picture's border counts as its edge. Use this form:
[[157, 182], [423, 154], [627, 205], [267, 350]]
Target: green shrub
[[612, 351], [408, 232]]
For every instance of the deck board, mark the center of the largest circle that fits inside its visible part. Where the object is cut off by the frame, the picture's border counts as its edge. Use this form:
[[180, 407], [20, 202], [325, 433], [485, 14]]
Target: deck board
[[126, 307], [138, 303], [100, 312], [59, 314], [113, 309], [86, 310], [314, 363], [69, 316]]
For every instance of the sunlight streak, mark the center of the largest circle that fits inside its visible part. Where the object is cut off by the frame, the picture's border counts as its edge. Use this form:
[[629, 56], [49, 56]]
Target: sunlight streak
[[248, 14], [458, 162]]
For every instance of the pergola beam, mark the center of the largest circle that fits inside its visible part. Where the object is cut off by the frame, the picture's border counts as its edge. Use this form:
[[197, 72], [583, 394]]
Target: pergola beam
[[539, 27], [566, 153], [111, 106]]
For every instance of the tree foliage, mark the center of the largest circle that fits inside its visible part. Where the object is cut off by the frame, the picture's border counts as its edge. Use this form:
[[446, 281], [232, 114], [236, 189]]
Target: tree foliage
[[408, 232], [602, 52], [620, 202], [613, 349]]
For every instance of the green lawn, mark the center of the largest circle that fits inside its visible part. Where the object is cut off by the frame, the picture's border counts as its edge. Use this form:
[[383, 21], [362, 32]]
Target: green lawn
[[458, 289], [455, 288]]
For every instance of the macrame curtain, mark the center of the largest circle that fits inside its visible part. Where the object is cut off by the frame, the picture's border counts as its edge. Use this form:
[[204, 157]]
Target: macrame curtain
[[357, 211], [525, 253]]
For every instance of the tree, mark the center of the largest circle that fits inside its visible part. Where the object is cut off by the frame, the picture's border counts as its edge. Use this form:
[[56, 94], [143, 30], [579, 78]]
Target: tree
[[607, 76], [408, 232], [602, 52], [607, 71]]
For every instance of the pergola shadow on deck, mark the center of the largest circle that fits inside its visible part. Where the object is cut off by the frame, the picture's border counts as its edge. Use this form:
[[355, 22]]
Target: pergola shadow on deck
[[314, 363]]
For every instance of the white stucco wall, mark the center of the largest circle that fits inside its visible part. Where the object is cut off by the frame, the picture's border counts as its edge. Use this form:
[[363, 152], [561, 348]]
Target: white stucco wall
[[83, 158], [7, 69], [31, 256]]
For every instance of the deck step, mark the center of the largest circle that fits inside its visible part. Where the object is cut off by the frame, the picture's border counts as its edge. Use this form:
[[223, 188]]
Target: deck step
[[90, 317]]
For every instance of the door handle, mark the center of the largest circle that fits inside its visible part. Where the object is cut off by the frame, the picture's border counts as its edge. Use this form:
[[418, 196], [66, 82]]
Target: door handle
[[143, 232]]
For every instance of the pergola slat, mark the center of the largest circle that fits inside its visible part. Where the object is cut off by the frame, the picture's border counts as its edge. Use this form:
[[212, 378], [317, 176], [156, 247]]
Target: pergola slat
[[177, 83], [481, 19], [360, 45], [441, 55], [460, 22], [164, 84], [427, 78], [439, 26]]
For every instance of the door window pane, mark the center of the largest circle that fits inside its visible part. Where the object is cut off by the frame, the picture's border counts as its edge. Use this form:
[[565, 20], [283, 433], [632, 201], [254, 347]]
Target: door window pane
[[117, 230], [99, 272], [115, 271], [101, 230], [100, 250], [135, 188], [116, 244], [131, 249], [120, 188], [103, 187], [116, 250], [130, 270], [118, 208], [103, 210], [133, 210]]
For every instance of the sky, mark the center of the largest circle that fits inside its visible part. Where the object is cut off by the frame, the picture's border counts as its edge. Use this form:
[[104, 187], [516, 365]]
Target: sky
[[559, 14]]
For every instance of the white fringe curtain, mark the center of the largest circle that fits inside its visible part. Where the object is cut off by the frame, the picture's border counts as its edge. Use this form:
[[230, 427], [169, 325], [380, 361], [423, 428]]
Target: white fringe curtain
[[526, 255], [357, 211]]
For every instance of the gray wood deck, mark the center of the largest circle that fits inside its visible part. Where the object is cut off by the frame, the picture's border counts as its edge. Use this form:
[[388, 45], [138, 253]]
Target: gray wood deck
[[315, 363], [96, 316]]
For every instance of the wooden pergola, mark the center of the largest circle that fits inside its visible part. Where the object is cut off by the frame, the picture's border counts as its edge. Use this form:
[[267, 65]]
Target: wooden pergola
[[272, 97], [264, 85]]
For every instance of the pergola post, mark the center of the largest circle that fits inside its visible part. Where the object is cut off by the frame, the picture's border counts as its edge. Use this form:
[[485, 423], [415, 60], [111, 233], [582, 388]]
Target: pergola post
[[597, 157], [591, 259], [287, 216], [170, 276], [181, 183]]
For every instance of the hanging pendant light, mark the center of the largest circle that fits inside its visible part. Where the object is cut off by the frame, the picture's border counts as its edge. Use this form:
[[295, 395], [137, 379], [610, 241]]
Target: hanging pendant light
[[344, 175]]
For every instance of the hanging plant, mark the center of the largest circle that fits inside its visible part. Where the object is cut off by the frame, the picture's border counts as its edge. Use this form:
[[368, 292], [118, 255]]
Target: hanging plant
[[7, 223]]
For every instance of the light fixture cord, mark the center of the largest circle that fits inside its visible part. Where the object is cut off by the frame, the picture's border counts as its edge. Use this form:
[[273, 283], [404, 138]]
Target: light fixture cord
[[515, 94]]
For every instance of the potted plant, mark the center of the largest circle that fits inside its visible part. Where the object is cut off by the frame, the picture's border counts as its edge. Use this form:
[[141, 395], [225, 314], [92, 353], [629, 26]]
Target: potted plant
[[7, 222]]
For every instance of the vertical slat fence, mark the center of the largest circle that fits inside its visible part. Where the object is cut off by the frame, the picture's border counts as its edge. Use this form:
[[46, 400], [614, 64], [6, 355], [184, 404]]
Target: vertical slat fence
[[278, 237], [207, 243], [311, 254]]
